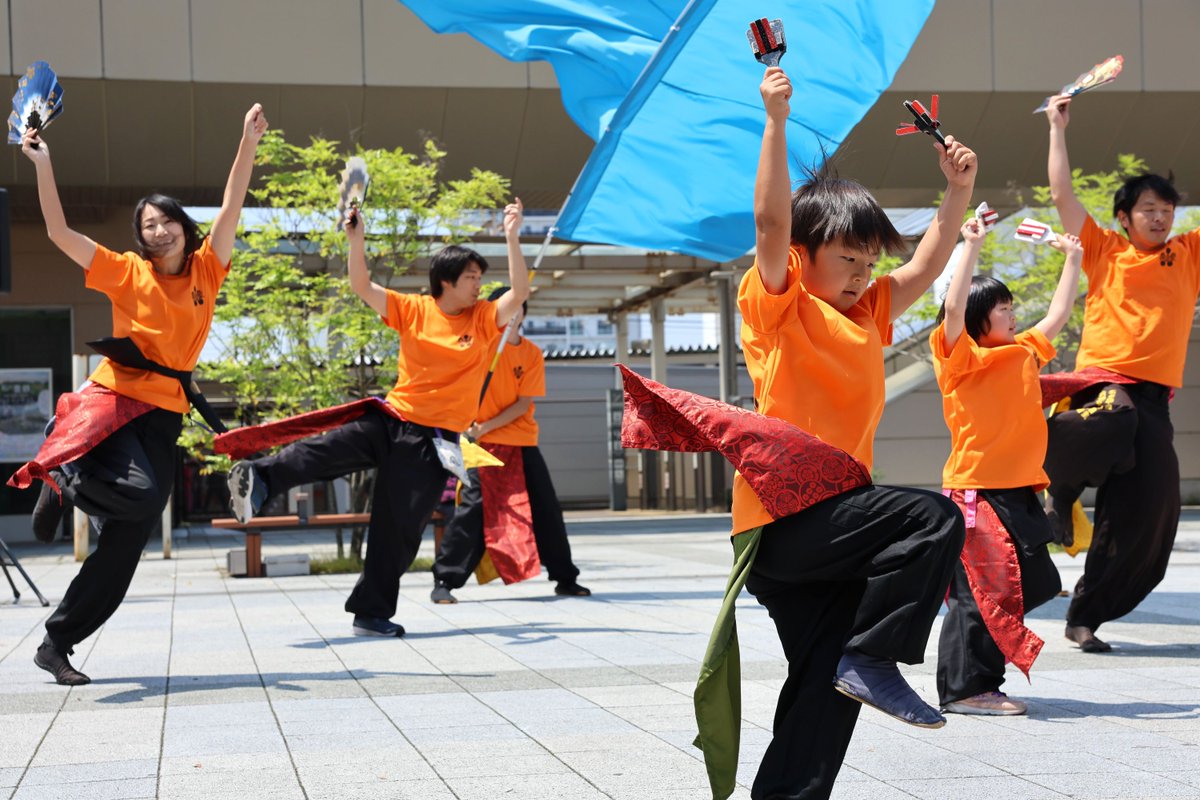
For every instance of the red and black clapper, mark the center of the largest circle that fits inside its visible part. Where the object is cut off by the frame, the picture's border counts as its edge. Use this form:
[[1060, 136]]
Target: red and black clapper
[[923, 121], [766, 40]]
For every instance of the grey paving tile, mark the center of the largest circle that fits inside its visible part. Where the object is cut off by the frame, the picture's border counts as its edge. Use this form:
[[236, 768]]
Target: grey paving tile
[[88, 790], [1004, 787], [1104, 785]]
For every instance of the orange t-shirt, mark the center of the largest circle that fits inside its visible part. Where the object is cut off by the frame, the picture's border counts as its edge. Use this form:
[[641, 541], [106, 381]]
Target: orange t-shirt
[[442, 359], [1138, 316], [167, 316], [992, 403], [814, 367], [520, 373]]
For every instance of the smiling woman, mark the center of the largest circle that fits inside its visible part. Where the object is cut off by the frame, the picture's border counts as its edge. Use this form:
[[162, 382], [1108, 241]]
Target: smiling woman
[[111, 452]]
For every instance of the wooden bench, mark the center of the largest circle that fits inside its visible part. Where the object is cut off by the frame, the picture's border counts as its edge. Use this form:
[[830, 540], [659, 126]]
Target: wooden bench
[[255, 528]]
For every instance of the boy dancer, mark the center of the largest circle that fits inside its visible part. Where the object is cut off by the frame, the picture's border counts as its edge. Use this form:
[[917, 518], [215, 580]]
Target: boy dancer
[[1142, 290], [506, 428], [445, 339]]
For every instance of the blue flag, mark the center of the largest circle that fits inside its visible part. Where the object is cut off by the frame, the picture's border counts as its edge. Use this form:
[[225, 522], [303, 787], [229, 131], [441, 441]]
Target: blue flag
[[597, 49], [669, 89], [675, 169]]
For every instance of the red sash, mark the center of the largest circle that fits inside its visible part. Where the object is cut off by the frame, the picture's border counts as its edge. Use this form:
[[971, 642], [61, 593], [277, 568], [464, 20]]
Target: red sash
[[82, 421], [1058, 385], [507, 517], [787, 468], [243, 442], [989, 558]]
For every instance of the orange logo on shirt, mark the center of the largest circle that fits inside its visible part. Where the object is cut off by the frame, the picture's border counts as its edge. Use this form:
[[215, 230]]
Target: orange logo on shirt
[[1166, 258], [197, 297], [465, 340], [518, 371]]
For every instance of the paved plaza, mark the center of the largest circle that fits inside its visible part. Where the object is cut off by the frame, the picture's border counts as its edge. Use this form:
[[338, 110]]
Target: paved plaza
[[212, 687]]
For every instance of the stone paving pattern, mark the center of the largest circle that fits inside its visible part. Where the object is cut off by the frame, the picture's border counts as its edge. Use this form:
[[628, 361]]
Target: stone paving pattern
[[211, 687]]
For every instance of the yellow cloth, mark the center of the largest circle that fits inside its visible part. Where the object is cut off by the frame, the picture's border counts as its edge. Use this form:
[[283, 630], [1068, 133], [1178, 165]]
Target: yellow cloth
[[475, 456]]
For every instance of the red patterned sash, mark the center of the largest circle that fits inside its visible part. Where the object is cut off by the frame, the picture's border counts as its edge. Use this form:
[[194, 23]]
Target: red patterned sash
[[989, 558], [244, 442], [82, 421], [1058, 385], [788, 469], [507, 517]]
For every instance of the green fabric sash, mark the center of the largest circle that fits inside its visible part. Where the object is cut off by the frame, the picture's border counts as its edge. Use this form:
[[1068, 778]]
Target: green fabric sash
[[718, 696]]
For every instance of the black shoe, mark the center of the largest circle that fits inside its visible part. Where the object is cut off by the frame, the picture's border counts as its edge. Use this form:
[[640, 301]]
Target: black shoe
[[376, 626], [1086, 639], [47, 514], [441, 594], [879, 684], [572, 589], [50, 659]]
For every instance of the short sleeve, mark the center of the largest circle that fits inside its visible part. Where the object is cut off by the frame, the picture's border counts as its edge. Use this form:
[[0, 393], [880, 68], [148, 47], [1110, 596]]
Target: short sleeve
[[1036, 343], [111, 272], [766, 312], [1098, 244], [532, 382], [213, 272], [1191, 245], [877, 300], [953, 363], [401, 310]]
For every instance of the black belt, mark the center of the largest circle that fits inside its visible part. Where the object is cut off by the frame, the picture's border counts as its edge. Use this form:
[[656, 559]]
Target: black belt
[[124, 351]]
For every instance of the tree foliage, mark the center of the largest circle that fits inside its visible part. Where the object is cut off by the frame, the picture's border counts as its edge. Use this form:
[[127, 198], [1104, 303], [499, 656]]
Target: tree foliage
[[291, 334]]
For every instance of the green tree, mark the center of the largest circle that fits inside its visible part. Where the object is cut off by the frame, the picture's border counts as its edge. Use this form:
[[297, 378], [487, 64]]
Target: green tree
[[291, 334], [1031, 271]]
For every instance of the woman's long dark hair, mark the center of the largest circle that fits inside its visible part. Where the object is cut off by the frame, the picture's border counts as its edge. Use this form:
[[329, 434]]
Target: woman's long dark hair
[[172, 209]]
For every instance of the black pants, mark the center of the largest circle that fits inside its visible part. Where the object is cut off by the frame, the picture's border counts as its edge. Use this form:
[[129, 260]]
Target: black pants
[[463, 544], [1119, 439], [123, 484], [408, 483], [866, 572], [969, 662]]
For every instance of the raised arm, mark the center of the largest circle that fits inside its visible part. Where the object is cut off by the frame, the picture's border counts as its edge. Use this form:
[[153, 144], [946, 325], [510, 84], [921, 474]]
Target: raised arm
[[224, 227], [75, 245], [960, 165], [960, 282], [1068, 286], [772, 186], [371, 292], [518, 275], [1070, 210]]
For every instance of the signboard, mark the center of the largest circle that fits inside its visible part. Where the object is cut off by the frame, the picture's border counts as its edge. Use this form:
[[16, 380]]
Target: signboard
[[26, 399]]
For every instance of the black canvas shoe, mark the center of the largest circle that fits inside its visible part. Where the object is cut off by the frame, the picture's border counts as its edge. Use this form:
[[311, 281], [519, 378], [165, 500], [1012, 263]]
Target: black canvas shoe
[[376, 626], [50, 659], [441, 594], [878, 683]]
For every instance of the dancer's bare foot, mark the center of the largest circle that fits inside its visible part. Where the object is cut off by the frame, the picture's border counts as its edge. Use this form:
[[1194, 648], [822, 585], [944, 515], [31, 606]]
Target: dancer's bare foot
[[1087, 641]]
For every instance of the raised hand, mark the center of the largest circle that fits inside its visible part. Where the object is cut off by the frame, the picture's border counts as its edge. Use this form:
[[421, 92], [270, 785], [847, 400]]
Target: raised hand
[[1067, 243], [33, 147], [776, 90], [957, 162], [514, 215], [973, 231], [255, 124], [1058, 111]]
